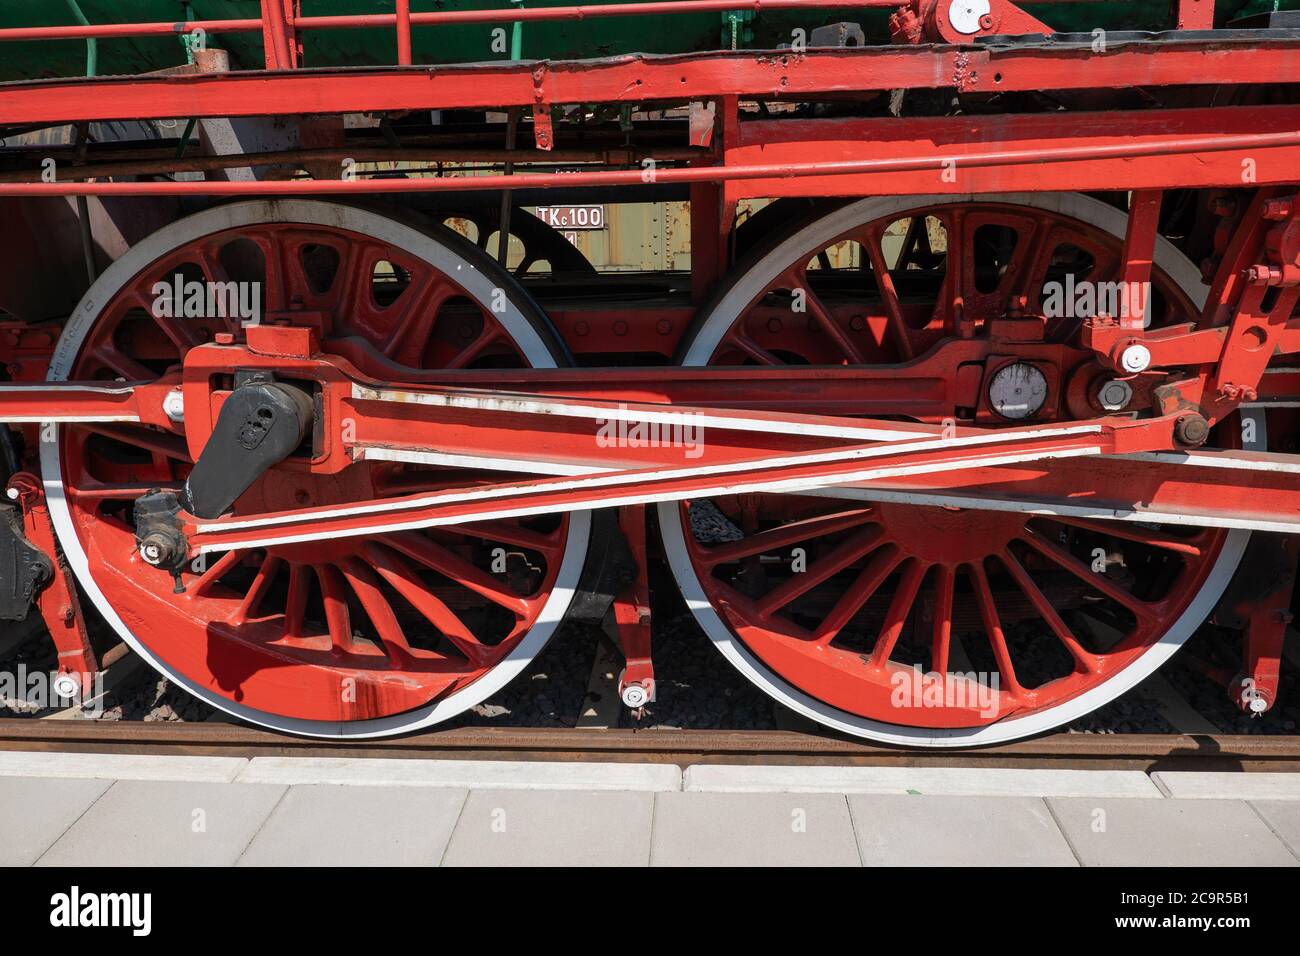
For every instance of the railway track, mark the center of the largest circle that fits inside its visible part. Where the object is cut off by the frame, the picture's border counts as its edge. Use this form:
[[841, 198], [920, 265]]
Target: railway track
[[682, 747]]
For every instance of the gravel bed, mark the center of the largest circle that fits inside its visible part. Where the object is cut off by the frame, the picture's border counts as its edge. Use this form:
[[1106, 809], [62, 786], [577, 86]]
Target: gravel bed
[[549, 693]]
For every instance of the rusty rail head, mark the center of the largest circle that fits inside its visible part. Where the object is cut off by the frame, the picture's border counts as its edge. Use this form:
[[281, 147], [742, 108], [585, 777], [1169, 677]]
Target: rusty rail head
[[682, 747]]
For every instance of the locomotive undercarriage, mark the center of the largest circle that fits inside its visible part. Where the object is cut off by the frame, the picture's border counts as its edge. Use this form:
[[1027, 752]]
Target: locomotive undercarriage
[[882, 437]]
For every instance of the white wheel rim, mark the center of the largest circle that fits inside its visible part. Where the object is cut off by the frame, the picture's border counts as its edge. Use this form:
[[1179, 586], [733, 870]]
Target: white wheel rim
[[1072, 205], [375, 226]]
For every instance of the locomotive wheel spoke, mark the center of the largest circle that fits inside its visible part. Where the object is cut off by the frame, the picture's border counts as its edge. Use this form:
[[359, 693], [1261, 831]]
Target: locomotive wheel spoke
[[507, 532], [874, 244], [993, 630], [365, 585], [899, 609], [945, 582], [178, 332], [472, 352], [125, 492], [835, 561], [882, 564], [404, 580], [774, 540], [1085, 662], [216, 570], [295, 610], [262, 581], [436, 558], [334, 598], [755, 351], [822, 315], [145, 439], [1064, 559], [415, 325], [128, 368], [1192, 546]]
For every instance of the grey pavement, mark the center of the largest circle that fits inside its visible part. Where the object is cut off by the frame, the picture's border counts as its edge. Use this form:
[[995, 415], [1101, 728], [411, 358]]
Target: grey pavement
[[150, 811]]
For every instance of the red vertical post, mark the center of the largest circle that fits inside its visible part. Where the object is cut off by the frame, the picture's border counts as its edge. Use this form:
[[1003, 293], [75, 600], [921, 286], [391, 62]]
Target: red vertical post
[[1195, 14], [404, 32], [712, 214], [278, 34], [636, 684], [57, 602], [1139, 250]]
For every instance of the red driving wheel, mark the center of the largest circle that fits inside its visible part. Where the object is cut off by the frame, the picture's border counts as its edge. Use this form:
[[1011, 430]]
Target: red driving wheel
[[353, 636], [933, 625]]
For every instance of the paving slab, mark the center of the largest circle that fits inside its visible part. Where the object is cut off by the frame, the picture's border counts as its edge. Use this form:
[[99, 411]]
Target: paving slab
[[1226, 785], [957, 831], [36, 811], [19, 763], [1168, 833], [462, 774], [156, 823], [552, 828], [322, 825], [954, 781], [1283, 818], [753, 829]]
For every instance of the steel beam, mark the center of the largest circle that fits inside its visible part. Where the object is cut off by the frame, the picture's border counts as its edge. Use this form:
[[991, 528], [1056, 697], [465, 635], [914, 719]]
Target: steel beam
[[647, 78]]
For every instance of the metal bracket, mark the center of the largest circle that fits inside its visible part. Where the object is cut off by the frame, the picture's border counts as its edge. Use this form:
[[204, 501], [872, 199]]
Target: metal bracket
[[57, 601], [543, 132]]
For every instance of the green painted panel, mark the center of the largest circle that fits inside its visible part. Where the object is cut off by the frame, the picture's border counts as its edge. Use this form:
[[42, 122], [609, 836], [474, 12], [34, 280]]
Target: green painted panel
[[474, 43]]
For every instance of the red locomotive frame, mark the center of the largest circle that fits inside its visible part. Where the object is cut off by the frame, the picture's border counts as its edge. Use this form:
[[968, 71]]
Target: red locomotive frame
[[1234, 355]]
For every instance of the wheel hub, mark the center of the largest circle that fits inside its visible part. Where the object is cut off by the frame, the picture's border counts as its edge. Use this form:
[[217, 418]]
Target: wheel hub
[[949, 536]]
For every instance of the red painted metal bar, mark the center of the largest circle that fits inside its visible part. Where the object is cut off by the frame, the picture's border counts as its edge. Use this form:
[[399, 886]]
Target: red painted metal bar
[[277, 34], [964, 144], [580, 12], [801, 470], [1139, 252], [276, 15], [110, 31], [84, 402], [404, 57], [935, 164], [637, 79], [1195, 14]]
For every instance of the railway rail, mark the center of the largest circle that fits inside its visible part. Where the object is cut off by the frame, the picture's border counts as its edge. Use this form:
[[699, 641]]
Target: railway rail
[[1246, 753]]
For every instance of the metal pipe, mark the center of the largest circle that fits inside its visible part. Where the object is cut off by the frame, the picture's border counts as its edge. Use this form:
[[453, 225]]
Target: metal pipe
[[437, 18], [110, 31], [404, 33], [275, 35], [92, 45], [83, 214], [694, 174], [175, 162]]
